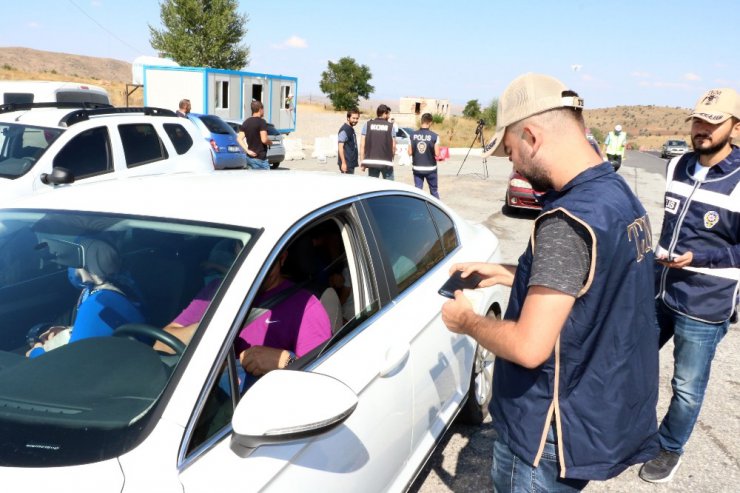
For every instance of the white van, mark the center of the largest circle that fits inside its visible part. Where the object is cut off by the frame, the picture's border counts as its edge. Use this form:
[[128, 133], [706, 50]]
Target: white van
[[42, 91]]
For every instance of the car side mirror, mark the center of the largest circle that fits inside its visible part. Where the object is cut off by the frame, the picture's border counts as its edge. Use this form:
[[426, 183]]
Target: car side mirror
[[286, 405], [58, 176]]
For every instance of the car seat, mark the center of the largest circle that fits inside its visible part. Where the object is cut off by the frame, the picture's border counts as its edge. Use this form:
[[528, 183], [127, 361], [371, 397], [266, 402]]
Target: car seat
[[160, 277]]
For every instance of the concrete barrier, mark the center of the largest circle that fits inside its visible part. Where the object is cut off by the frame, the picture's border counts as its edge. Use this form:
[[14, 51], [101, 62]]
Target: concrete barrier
[[293, 149]]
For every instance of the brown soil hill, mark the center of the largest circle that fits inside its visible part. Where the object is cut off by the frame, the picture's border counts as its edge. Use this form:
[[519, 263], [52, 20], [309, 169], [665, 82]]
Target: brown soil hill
[[110, 74], [647, 127]]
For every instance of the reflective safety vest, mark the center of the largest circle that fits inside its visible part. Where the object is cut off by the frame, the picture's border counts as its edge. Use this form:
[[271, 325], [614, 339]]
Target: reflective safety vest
[[615, 143]]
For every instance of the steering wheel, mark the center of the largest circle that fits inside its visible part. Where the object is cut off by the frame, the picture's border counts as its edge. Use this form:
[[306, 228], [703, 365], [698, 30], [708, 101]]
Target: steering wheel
[[149, 331]]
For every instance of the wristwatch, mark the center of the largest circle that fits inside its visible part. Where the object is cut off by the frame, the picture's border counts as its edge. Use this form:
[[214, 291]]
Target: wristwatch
[[291, 359]]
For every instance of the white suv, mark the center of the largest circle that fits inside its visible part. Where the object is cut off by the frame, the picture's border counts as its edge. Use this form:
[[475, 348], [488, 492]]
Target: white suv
[[47, 145]]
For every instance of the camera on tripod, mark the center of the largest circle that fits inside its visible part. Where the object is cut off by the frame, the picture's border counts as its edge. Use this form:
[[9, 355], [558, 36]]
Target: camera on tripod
[[479, 128]]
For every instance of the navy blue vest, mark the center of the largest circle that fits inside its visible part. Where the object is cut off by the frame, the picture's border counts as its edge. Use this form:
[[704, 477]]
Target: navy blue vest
[[350, 147], [423, 158], [600, 386], [378, 143], [702, 217]]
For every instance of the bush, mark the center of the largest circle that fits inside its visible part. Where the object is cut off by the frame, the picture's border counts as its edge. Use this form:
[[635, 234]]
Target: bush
[[438, 118], [7, 67]]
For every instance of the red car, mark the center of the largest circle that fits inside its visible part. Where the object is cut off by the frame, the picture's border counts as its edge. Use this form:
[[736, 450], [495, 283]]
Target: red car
[[520, 194]]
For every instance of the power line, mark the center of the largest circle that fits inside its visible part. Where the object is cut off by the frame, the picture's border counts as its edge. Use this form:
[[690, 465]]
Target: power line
[[138, 51]]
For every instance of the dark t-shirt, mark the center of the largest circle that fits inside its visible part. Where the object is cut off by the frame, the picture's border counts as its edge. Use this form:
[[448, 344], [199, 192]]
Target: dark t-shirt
[[251, 128], [562, 254]]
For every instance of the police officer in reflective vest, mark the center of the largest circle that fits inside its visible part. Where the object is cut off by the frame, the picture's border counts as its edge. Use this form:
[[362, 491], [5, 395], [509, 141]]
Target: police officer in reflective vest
[[615, 143], [424, 151]]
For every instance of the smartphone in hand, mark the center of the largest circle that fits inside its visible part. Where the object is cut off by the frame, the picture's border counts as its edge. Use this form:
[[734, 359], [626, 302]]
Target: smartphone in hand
[[456, 282]]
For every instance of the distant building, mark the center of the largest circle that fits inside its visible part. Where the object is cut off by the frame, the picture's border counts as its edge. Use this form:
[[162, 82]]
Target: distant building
[[419, 106]]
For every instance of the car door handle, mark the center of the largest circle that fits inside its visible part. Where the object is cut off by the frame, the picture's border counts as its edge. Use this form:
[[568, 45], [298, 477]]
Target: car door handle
[[395, 358]]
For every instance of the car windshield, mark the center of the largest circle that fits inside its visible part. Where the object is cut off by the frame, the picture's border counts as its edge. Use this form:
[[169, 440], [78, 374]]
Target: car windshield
[[83, 298], [678, 143], [271, 130], [21, 146]]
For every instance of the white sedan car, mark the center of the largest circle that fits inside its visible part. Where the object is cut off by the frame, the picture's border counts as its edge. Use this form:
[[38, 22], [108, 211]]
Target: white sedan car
[[123, 406]]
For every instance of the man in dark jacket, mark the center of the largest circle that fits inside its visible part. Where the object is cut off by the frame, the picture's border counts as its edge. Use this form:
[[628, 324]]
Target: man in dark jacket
[[576, 374], [347, 144], [378, 145], [699, 256]]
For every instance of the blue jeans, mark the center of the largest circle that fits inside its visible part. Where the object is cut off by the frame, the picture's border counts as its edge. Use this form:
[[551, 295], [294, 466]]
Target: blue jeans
[[694, 345], [511, 474], [431, 178], [255, 163], [387, 171]]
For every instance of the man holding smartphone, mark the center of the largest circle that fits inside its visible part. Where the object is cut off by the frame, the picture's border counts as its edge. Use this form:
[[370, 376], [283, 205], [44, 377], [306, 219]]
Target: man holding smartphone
[[699, 276], [576, 375]]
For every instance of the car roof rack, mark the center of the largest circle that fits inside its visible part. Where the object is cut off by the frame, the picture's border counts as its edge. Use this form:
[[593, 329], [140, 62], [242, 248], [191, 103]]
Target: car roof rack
[[85, 114], [10, 107]]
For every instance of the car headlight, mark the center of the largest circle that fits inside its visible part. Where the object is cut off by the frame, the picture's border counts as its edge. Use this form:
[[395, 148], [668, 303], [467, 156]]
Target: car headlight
[[519, 183]]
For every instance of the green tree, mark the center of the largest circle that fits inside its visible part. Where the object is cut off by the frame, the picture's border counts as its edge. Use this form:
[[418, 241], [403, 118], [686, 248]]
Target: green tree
[[489, 114], [202, 33], [344, 82], [472, 109]]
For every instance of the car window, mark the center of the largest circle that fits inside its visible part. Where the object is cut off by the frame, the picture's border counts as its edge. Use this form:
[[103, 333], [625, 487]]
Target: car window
[[141, 144], [446, 229], [21, 146], [86, 154], [408, 236], [324, 293], [215, 124], [93, 383], [179, 137]]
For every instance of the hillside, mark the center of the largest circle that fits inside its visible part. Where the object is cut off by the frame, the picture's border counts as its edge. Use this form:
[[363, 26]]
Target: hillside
[[28, 64], [647, 127]]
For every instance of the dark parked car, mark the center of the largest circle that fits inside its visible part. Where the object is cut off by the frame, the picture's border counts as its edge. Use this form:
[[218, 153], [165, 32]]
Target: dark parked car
[[276, 149], [674, 148], [226, 150]]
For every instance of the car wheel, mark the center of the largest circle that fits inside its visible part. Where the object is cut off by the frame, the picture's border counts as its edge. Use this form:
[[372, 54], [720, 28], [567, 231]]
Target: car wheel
[[274, 165], [475, 410]]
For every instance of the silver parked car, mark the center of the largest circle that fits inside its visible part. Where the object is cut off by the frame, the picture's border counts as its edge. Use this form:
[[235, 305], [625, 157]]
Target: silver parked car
[[673, 148]]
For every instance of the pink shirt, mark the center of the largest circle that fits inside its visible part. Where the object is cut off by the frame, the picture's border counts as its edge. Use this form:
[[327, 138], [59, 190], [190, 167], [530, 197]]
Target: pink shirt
[[298, 323]]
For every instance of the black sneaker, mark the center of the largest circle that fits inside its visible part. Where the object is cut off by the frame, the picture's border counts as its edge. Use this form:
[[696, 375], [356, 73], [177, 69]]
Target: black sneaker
[[662, 468]]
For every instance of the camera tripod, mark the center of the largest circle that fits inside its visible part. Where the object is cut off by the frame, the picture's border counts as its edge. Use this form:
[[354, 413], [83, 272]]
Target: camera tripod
[[478, 137]]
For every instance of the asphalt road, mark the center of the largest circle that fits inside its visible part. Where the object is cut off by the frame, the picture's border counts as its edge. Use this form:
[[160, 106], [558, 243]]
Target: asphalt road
[[462, 461]]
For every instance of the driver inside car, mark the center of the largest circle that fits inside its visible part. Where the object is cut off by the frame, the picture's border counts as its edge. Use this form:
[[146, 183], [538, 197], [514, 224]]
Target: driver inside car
[[286, 322], [106, 300]]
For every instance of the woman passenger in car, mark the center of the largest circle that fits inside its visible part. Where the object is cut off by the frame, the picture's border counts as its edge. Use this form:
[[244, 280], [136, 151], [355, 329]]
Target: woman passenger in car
[[104, 304]]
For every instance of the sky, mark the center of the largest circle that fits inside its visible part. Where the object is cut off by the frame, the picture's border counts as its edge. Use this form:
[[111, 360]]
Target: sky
[[626, 52]]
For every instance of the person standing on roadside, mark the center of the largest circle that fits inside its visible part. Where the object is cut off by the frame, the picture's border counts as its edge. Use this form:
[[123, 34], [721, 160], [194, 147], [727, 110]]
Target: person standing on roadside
[[575, 381], [347, 143], [424, 151], [253, 137], [699, 272], [183, 109], [378, 145], [614, 145]]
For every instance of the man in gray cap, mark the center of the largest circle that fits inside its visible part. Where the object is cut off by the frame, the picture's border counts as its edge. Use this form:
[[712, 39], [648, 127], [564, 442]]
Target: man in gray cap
[[699, 274], [576, 373]]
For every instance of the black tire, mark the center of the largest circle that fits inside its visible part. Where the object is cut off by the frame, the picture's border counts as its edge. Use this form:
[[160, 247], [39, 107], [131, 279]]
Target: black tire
[[475, 410], [274, 165]]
